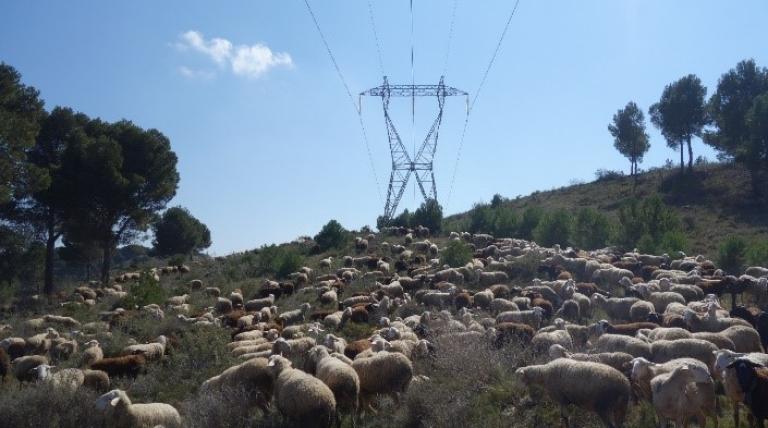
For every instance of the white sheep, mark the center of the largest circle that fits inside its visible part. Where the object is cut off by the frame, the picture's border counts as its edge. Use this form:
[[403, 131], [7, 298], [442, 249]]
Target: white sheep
[[530, 317], [617, 360], [592, 386], [252, 378], [685, 393], [383, 373], [295, 316], [126, 414], [665, 350], [731, 386], [542, 341], [301, 398], [151, 351], [340, 377], [620, 343]]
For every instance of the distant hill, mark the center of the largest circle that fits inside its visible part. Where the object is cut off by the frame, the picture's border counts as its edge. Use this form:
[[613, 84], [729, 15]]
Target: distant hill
[[714, 202]]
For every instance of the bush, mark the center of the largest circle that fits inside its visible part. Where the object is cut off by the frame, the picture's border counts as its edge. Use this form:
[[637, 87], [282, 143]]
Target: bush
[[591, 229], [456, 254], [505, 223], [554, 228], [757, 253], [146, 291], [608, 175], [332, 235], [648, 221], [731, 255], [531, 218], [674, 241], [481, 219], [429, 214], [279, 261]]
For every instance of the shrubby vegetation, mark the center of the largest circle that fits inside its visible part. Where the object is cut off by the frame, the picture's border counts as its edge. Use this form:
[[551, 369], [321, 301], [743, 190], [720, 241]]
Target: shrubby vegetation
[[730, 257], [456, 254], [178, 232], [332, 235], [279, 261]]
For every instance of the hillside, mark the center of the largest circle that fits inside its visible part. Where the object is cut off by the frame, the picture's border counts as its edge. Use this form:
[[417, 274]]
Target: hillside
[[713, 203]]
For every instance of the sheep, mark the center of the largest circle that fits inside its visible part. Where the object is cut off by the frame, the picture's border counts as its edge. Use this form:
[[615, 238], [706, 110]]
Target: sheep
[[484, 298], [640, 310], [340, 377], [616, 308], [129, 365], [621, 343], [256, 305], [710, 323], [753, 380], [665, 350], [542, 341], [383, 373], [570, 310], [662, 299], [67, 379], [486, 279], [251, 378], [126, 414], [326, 263], [687, 392], [727, 373], [745, 339], [177, 300], [610, 276], [23, 367], [643, 371], [151, 351], [664, 333], [617, 360], [15, 347], [295, 316], [592, 386], [717, 339], [499, 305], [530, 317], [356, 347], [757, 271], [301, 398], [63, 321], [212, 291], [513, 332], [293, 347], [631, 329], [334, 343]]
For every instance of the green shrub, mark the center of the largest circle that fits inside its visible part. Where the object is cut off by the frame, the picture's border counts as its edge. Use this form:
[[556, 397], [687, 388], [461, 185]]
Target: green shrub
[[481, 219], [429, 214], [647, 244], [146, 291], [531, 218], [673, 241], [591, 229], [757, 253], [731, 255], [456, 254], [554, 228], [506, 222], [332, 235], [648, 221], [279, 261]]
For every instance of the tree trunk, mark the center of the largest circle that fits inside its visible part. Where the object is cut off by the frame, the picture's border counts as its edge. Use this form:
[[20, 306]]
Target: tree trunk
[[106, 262], [690, 155], [50, 253], [682, 158]]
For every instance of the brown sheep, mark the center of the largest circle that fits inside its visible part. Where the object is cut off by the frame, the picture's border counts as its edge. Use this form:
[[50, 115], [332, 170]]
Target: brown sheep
[[509, 331], [5, 365], [463, 300], [356, 347], [500, 290], [629, 329], [129, 365]]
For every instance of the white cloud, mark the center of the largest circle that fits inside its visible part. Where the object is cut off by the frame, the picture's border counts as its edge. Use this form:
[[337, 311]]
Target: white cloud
[[196, 74], [249, 61]]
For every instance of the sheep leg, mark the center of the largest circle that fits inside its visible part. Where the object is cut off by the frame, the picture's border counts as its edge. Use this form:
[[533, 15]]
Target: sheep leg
[[564, 417]]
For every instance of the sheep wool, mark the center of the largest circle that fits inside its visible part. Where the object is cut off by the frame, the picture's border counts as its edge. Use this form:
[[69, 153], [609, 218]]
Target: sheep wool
[[301, 398], [123, 413]]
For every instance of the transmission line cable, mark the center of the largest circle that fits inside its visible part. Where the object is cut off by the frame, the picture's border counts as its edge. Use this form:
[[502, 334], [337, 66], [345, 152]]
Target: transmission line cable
[[349, 94], [474, 99], [376, 37]]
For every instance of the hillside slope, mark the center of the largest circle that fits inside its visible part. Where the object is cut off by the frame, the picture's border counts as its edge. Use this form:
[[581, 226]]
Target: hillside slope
[[714, 202]]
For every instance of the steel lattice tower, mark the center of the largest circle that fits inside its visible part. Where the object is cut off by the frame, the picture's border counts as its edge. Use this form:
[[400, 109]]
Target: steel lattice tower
[[420, 165]]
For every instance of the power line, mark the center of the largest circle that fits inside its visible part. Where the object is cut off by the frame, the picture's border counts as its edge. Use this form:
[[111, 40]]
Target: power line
[[349, 94], [474, 99], [376, 37], [450, 37]]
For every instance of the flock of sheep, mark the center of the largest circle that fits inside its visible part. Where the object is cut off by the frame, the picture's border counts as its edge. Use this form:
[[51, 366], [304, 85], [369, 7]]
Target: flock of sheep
[[662, 332]]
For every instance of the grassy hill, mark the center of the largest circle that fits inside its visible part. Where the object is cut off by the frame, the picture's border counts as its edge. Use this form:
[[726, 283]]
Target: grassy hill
[[714, 202]]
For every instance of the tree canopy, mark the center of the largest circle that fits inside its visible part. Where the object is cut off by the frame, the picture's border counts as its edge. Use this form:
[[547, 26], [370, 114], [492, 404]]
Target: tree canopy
[[628, 131], [680, 114], [178, 232]]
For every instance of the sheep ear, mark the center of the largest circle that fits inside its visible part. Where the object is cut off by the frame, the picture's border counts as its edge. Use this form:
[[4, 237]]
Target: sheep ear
[[114, 401]]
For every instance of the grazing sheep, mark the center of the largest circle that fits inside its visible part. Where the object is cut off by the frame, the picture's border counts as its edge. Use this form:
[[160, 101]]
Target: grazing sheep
[[530, 317], [67, 379], [664, 333], [617, 308], [685, 393], [717, 339], [631, 329], [665, 350], [129, 365], [212, 291], [295, 316], [383, 373], [617, 360], [745, 339], [340, 377], [15, 347], [62, 321], [499, 305], [643, 371], [640, 310], [542, 341], [23, 367], [727, 373], [592, 386], [753, 380], [301, 398], [252, 378], [256, 305], [126, 414], [293, 347], [621, 343], [151, 351]]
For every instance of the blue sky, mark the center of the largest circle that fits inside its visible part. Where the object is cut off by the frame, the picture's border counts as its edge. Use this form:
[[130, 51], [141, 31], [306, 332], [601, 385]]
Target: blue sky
[[269, 145]]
